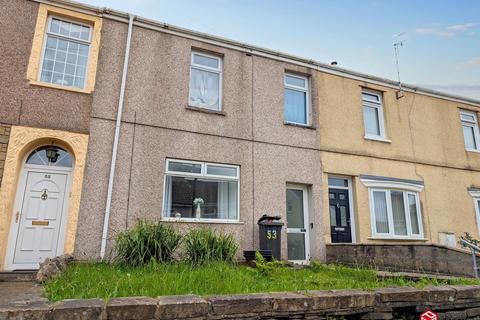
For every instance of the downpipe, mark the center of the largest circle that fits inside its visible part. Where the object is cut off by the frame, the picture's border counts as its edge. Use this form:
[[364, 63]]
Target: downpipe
[[113, 163]]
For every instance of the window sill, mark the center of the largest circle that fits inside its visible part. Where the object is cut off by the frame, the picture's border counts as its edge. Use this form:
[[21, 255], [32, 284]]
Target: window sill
[[304, 126], [396, 238], [203, 221], [59, 87], [379, 139], [473, 150], [204, 110]]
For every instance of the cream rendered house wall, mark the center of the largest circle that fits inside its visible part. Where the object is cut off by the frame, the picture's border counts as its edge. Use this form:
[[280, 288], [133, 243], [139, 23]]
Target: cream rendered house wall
[[426, 144]]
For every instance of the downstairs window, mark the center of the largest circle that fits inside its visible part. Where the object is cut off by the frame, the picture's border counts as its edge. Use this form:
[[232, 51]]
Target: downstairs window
[[201, 191], [394, 207], [395, 213]]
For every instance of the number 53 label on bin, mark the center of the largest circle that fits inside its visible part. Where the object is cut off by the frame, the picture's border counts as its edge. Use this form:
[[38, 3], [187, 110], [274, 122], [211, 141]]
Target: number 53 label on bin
[[271, 234]]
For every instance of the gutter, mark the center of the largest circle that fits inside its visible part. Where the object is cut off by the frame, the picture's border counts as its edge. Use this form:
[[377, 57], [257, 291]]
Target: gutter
[[256, 50], [108, 204]]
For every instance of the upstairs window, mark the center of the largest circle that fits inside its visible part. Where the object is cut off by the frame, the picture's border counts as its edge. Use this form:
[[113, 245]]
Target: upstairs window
[[470, 130], [373, 115], [65, 53], [201, 191], [205, 81], [296, 99]]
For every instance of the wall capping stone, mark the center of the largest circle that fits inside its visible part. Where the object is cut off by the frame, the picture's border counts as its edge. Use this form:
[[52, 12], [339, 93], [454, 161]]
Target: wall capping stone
[[451, 302]]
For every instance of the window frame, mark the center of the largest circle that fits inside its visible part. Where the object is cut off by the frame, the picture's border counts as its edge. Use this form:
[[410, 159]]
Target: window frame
[[218, 70], [67, 19], [57, 36], [472, 124], [205, 176], [475, 194], [305, 89], [35, 61], [476, 204], [378, 105], [388, 197]]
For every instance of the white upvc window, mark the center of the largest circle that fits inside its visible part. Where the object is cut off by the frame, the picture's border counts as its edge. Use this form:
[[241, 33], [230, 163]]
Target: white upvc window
[[201, 191], [65, 52], [373, 118], [395, 214], [476, 203], [297, 99], [205, 89], [471, 135], [394, 207]]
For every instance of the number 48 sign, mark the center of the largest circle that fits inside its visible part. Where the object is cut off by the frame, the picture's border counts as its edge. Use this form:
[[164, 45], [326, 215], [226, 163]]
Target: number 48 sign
[[429, 315]]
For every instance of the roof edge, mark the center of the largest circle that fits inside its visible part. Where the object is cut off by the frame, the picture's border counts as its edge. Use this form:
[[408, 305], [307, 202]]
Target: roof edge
[[257, 50]]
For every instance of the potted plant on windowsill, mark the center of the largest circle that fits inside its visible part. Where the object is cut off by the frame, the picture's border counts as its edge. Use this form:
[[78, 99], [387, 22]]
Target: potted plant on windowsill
[[198, 204]]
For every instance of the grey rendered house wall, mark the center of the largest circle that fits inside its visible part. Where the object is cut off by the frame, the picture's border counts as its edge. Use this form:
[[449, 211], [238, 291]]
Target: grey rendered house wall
[[157, 125], [20, 102]]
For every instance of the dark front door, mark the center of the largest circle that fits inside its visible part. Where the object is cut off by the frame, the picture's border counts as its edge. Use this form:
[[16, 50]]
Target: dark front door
[[339, 215]]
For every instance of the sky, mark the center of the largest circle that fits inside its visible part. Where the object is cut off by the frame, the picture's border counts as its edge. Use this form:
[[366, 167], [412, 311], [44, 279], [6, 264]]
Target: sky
[[441, 40]]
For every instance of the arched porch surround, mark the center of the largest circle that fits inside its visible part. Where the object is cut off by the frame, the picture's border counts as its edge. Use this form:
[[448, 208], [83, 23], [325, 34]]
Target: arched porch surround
[[23, 140]]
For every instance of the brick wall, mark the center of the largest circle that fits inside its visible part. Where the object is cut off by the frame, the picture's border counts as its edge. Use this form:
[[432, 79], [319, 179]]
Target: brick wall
[[4, 136]]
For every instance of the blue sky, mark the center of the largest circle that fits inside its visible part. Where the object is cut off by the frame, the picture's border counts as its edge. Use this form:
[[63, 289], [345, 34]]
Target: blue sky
[[442, 38]]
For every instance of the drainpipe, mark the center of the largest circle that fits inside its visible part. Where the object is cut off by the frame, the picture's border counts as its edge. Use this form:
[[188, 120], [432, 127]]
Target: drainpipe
[[108, 204]]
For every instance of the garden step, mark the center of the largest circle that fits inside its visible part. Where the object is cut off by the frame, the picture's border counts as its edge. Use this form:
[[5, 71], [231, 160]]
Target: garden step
[[27, 275]]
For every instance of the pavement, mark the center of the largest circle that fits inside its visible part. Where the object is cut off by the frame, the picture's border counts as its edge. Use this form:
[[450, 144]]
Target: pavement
[[20, 293]]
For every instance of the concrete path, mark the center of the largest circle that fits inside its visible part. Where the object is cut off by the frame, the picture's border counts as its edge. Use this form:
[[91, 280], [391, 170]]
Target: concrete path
[[18, 293]]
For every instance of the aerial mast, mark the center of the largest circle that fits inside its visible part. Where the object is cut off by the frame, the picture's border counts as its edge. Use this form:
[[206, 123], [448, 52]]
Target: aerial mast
[[398, 43]]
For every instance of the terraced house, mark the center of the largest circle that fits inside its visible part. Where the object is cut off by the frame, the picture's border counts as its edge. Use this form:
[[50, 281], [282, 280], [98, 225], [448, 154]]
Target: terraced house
[[108, 118]]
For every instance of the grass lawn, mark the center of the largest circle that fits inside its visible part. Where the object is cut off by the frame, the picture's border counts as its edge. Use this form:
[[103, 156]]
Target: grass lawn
[[99, 280]]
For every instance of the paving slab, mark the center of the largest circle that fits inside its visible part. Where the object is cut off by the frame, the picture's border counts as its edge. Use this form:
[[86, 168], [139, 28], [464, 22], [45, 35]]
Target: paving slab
[[18, 293]]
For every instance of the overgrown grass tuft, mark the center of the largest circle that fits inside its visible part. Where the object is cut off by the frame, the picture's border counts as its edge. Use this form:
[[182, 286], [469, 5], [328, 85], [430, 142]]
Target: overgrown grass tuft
[[146, 242], [206, 245], [99, 280]]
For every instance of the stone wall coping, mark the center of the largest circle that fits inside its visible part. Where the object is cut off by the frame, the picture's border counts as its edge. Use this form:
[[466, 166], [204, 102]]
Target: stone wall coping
[[403, 244], [369, 304]]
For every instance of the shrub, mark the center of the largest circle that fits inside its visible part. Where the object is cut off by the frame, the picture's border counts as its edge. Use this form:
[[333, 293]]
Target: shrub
[[468, 237], [146, 242], [204, 245], [267, 268]]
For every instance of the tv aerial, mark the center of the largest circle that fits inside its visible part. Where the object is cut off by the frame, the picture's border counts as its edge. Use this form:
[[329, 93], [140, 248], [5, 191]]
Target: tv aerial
[[396, 45]]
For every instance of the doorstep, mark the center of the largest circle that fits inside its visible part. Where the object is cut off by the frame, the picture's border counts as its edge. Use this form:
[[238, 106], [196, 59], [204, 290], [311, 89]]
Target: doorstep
[[22, 275]]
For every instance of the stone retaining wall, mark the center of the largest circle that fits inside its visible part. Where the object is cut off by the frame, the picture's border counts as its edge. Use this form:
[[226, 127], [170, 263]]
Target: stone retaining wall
[[450, 302], [422, 258]]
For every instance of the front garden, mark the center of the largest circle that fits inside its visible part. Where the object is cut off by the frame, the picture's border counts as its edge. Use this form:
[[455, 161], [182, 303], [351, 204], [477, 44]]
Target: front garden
[[153, 259]]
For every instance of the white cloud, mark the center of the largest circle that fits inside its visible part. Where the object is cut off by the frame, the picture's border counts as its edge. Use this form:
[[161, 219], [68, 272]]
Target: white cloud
[[461, 27], [475, 62], [448, 31], [435, 32]]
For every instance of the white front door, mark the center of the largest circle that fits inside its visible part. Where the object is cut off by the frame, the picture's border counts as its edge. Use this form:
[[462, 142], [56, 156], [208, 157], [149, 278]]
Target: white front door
[[298, 244], [37, 222]]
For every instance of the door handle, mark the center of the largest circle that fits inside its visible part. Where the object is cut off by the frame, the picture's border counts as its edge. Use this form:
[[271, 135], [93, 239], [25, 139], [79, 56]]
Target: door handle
[[303, 230], [17, 216]]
